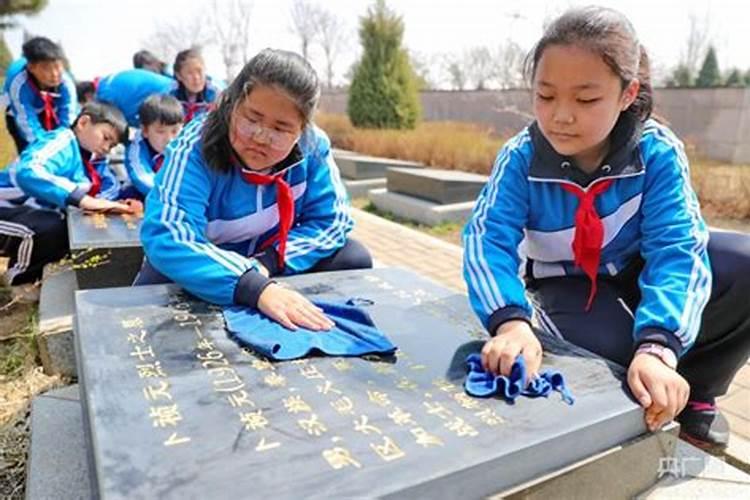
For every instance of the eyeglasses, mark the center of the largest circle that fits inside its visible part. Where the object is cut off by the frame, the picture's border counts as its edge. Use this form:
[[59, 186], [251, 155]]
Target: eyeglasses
[[275, 139]]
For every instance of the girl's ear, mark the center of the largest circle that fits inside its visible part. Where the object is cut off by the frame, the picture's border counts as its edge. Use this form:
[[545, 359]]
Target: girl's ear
[[629, 94], [83, 121]]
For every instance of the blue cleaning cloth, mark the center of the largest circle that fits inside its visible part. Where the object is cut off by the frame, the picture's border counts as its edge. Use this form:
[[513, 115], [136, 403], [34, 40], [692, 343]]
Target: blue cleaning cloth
[[354, 333], [482, 384]]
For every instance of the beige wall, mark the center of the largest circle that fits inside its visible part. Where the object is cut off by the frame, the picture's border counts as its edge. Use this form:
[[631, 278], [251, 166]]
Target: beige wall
[[716, 121]]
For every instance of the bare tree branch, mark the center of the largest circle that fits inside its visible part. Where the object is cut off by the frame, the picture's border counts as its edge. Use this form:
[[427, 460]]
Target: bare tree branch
[[170, 38], [231, 22], [331, 33], [304, 16]]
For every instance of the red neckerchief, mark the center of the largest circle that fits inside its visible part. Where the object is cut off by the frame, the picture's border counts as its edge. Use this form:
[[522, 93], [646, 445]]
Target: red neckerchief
[[50, 116], [93, 175], [285, 202], [589, 232], [158, 163]]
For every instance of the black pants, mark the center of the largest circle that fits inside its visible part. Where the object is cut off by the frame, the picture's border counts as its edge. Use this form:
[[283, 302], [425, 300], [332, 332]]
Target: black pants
[[353, 255], [32, 238], [18, 139], [723, 342]]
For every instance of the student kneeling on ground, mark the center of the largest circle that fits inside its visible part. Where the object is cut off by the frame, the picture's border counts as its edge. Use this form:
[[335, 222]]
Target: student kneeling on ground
[[249, 192], [66, 166]]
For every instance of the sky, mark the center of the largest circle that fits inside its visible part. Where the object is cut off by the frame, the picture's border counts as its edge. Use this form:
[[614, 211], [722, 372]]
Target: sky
[[100, 36]]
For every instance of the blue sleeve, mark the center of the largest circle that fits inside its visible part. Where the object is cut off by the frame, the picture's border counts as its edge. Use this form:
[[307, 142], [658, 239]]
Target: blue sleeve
[[110, 188], [675, 283], [21, 100], [41, 173], [174, 227], [139, 171], [68, 109], [324, 221], [491, 238]]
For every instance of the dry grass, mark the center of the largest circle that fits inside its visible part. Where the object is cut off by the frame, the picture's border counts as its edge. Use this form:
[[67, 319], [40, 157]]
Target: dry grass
[[724, 190], [448, 145]]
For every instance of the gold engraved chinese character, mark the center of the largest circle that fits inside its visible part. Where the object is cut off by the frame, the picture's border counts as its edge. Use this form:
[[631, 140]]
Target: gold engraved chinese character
[[466, 401], [389, 450], [362, 426], [384, 368], [424, 438], [205, 345], [406, 384], [132, 323], [379, 398], [437, 409], [262, 365], [175, 440], [142, 353], [239, 399], [152, 393], [310, 372], [417, 367], [312, 425], [400, 417], [461, 428], [275, 380], [137, 338], [265, 446], [327, 388], [150, 370], [342, 365], [443, 385], [343, 405], [253, 420], [490, 417], [295, 404], [165, 415], [338, 458]]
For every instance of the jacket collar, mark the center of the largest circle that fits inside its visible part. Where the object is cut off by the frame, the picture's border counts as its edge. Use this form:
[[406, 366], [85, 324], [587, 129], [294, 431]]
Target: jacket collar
[[622, 160]]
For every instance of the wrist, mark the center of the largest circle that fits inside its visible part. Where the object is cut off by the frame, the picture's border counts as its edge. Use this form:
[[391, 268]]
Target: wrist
[[664, 354]]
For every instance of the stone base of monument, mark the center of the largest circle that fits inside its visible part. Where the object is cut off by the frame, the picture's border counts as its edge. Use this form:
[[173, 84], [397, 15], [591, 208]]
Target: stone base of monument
[[56, 312], [440, 186], [105, 249], [361, 188], [57, 464], [419, 210]]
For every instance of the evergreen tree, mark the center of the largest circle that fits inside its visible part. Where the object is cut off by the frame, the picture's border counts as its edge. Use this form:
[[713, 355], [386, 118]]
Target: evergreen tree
[[383, 92], [681, 77], [735, 79], [709, 75]]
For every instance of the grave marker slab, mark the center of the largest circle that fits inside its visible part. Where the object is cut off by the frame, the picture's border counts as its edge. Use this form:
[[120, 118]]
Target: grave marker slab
[[176, 409], [361, 167], [106, 249], [436, 185], [56, 310]]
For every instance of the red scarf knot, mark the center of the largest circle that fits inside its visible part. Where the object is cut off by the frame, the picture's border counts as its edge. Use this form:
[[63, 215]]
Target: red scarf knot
[[589, 232]]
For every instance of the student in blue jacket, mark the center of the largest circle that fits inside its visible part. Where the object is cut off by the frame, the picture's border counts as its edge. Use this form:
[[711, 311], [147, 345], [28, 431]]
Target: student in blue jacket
[[66, 166], [161, 120], [249, 192], [41, 95], [128, 89], [196, 91], [618, 257]]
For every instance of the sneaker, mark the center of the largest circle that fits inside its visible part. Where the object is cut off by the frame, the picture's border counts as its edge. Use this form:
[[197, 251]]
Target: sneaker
[[703, 426], [28, 293]]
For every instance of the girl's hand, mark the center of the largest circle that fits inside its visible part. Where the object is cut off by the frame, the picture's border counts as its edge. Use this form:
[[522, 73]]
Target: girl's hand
[[292, 309], [658, 388], [91, 204], [513, 337]]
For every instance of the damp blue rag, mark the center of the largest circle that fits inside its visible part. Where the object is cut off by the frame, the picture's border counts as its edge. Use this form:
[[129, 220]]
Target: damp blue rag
[[482, 384], [354, 333]]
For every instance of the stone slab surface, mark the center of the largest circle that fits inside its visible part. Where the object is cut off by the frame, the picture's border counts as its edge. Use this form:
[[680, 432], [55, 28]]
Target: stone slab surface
[[418, 210], [214, 421], [360, 167], [440, 186]]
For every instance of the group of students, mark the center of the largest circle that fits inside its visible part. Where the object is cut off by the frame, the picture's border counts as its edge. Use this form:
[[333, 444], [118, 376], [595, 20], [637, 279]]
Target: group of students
[[588, 223]]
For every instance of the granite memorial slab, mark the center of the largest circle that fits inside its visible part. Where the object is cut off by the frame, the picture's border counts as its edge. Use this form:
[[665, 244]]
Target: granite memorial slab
[[56, 310], [362, 167], [175, 409], [105, 249], [436, 185]]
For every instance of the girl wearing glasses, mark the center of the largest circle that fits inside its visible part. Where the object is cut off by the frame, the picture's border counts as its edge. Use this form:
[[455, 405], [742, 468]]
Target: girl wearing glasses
[[251, 192]]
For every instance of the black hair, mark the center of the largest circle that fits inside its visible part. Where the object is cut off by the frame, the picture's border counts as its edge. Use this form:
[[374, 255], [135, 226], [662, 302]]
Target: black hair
[[280, 69], [183, 56], [102, 112], [608, 33], [144, 59], [160, 108], [40, 49], [84, 87]]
